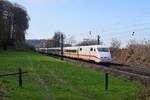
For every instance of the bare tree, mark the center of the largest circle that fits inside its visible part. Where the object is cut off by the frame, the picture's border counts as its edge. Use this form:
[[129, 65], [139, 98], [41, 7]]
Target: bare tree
[[86, 42], [43, 43], [115, 43], [56, 39], [70, 41]]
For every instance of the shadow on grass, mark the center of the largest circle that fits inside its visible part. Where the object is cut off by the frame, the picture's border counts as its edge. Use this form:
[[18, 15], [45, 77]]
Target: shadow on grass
[[113, 64]]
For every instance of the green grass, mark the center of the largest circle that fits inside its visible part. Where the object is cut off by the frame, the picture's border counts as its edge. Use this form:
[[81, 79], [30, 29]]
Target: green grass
[[52, 79]]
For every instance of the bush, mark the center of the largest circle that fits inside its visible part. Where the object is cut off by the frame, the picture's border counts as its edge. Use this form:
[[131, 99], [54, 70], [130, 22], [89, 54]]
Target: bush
[[136, 53]]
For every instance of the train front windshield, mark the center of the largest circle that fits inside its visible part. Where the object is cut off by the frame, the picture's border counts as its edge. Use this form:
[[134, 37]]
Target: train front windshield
[[103, 49]]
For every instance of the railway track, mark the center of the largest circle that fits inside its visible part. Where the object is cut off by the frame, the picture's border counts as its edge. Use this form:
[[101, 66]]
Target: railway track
[[132, 73], [139, 74], [131, 69]]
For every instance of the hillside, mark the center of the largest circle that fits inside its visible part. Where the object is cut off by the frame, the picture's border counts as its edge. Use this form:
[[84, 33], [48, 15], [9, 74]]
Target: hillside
[[33, 42], [52, 79]]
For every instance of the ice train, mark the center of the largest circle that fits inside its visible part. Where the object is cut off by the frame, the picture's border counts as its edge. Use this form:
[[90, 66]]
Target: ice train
[[96, 53]]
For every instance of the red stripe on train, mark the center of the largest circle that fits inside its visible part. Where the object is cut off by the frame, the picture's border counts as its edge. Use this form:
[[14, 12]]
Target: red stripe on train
[[86, 55]]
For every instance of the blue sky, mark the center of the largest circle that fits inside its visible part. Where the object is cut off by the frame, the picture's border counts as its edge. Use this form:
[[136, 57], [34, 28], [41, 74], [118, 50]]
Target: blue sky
[[108, 18]]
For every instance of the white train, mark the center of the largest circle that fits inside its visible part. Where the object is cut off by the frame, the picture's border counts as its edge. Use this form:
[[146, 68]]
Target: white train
[[96, 53]]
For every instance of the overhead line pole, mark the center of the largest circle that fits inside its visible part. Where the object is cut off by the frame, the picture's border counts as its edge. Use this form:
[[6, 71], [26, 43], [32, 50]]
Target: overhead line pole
[[98, 39], [62, 46]]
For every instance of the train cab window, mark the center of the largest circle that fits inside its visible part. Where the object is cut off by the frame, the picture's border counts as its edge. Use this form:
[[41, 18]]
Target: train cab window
[[80, 49], [91, 49], [94, 50], [103, 49]]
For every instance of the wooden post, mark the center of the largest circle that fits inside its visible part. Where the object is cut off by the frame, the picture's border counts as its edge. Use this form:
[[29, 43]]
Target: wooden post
[[106, 81], [20, 77]]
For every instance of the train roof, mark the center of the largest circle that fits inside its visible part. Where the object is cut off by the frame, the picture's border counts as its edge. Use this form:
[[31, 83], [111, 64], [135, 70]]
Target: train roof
[[72, 48], [101, 46], [77, 47]]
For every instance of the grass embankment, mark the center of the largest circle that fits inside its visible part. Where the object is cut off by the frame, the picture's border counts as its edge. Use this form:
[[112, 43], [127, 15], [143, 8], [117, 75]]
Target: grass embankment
[[52, 79]]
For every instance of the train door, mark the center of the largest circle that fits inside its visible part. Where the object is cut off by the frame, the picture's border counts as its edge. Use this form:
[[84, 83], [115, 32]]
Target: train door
[[78, 50], [87, 52], [92, 53]]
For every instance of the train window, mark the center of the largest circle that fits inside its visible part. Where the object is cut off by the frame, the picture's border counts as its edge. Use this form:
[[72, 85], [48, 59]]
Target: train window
[[103, 49], [91, 49], [80, 49], [94, 50], [70, 50]]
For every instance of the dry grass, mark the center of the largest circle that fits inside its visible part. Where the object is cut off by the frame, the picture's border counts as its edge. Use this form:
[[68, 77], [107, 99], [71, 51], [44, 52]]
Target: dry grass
[[135, 54], [145, 95]]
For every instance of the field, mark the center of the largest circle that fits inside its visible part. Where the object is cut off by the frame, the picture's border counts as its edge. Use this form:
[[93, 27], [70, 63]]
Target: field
[[52, 79]]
